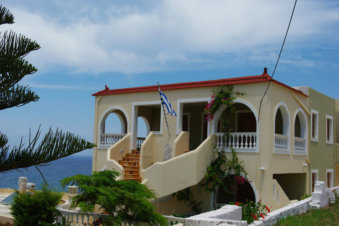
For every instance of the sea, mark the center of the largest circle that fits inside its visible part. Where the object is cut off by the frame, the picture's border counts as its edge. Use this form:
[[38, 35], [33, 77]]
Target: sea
[[53, 172]]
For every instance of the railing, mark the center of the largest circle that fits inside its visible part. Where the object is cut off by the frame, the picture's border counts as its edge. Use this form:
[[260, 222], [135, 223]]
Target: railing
[[241, 142], [281, 143], [75, 217], [175, 220], [299, 145], [140, 140], [107, 140]]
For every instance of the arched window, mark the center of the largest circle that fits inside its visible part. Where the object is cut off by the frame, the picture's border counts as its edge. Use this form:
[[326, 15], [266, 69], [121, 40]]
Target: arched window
[[113, 127], [300, 130], [281, 129]]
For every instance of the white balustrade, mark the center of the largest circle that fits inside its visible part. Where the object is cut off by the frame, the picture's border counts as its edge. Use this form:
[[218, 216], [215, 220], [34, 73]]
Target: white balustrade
[[140, 140], [76, 217], [281, 143], [107, 140], [299, 145], [241, 142]]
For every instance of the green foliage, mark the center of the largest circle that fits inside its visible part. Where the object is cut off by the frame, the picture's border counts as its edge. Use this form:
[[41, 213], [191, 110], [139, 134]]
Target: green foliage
[[223, 96], [186, 195], [38, 208], [305, 196], [222, 167], [123, 200], [252, 211], [13, 68]]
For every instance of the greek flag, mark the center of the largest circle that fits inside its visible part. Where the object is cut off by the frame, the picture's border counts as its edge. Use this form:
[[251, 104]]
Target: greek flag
[[167, 104]]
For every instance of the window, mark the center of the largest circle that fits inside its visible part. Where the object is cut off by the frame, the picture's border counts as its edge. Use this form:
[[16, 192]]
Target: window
[[314, 178], [329, 178], [329, 129], [314, 125]]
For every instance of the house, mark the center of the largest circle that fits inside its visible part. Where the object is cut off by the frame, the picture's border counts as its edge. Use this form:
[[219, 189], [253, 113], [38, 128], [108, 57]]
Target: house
[[275, 146]]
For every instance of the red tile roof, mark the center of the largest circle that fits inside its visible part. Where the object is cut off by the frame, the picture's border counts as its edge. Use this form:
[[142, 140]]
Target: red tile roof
[[187, 85]]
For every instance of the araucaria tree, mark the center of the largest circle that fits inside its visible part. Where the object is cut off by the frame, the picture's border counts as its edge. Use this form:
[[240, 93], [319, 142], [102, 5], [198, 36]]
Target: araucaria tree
[[13, 67]]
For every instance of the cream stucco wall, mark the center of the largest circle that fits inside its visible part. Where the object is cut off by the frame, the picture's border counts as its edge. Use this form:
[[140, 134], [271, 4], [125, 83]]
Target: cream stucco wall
[[270, 162]]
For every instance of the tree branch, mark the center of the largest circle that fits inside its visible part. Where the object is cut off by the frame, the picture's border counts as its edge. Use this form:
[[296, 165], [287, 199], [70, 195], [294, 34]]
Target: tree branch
[[53, 146]]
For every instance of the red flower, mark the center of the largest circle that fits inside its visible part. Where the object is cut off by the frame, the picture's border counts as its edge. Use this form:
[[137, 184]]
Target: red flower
[[268, 209], [237, 203], [262, 215], [255, 218]]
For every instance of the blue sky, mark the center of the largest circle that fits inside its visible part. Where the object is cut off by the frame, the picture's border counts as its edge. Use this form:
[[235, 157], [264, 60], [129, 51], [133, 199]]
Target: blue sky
[[87, 44]]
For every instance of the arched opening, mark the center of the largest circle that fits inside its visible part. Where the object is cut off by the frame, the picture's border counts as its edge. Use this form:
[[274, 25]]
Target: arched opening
[[112, 128], [238, 189], [143, 130], [281, 124], [300, 131], [243, 126]]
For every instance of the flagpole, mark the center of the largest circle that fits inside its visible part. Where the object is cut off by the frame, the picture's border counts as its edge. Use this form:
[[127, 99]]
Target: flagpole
[[163, 109]]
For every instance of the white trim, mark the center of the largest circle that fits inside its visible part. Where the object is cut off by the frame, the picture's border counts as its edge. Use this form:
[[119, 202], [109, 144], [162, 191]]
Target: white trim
[[316, 171], [180, 103], [135, 119], [286, 131], [218, 113], [104, 116], [316, 128], [148, 127], [330, 141], [202, 127], [332, 177], [303, 132]]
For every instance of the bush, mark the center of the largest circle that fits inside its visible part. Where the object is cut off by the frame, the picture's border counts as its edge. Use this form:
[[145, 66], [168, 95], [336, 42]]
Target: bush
[[123, 200], [252, 211], [37, 208]]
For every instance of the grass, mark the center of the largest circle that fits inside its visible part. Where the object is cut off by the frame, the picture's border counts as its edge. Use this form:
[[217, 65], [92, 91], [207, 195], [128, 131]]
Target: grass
[[326, 216]]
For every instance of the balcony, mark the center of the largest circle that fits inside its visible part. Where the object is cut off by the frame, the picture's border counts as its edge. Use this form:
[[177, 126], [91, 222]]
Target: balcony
[[107, 140], [299, 145], [281, 144], [240, 142]]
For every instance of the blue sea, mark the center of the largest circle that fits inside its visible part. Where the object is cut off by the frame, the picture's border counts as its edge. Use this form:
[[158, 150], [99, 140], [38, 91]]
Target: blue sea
[[53, 172]]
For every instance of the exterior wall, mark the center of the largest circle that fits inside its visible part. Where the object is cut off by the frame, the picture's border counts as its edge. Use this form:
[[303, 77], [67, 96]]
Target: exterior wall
[[322, 154], [260, 165]]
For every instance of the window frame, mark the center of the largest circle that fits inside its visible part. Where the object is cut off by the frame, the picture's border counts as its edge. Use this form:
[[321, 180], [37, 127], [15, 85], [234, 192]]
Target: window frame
[[316, 171], [315, 127], [329, 130], [331, 179]]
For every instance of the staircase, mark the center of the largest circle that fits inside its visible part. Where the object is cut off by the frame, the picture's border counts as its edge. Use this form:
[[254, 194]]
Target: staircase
[[130, 163]]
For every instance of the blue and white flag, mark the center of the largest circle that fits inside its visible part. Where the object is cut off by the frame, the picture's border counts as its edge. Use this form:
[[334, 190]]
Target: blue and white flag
[[167, 104]]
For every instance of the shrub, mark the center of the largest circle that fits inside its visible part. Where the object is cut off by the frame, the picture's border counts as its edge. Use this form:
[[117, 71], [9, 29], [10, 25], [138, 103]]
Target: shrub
[[37, 208], [252, 211], [122, 200]]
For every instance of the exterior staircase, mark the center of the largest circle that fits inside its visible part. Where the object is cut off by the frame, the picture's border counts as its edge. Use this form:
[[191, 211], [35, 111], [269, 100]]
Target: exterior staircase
[[130, 163]]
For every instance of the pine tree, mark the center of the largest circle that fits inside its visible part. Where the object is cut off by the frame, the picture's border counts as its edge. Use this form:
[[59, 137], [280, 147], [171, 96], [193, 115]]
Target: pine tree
[[13, 67]]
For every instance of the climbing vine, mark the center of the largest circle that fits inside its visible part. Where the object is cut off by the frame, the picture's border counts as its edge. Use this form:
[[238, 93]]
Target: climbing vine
[[222, 168]]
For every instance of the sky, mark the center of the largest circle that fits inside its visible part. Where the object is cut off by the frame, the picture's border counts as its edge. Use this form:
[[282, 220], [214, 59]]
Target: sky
[[86, 45]]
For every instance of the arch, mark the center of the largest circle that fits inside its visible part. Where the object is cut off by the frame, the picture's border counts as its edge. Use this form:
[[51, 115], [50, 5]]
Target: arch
[[283, 109], [300, 114], [219, 112], [247, 188], [120, 113], [148, 127]]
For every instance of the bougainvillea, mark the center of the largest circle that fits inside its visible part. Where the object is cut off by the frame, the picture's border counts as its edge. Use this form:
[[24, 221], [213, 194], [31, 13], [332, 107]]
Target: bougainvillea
[[223, 96]]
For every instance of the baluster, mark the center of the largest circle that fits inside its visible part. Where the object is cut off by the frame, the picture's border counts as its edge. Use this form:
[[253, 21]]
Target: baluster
[[246, 138], [254, 145]]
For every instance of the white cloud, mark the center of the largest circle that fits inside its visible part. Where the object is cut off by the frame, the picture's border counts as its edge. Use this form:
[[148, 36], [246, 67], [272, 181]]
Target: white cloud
[[61, 87], [131, 41]]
